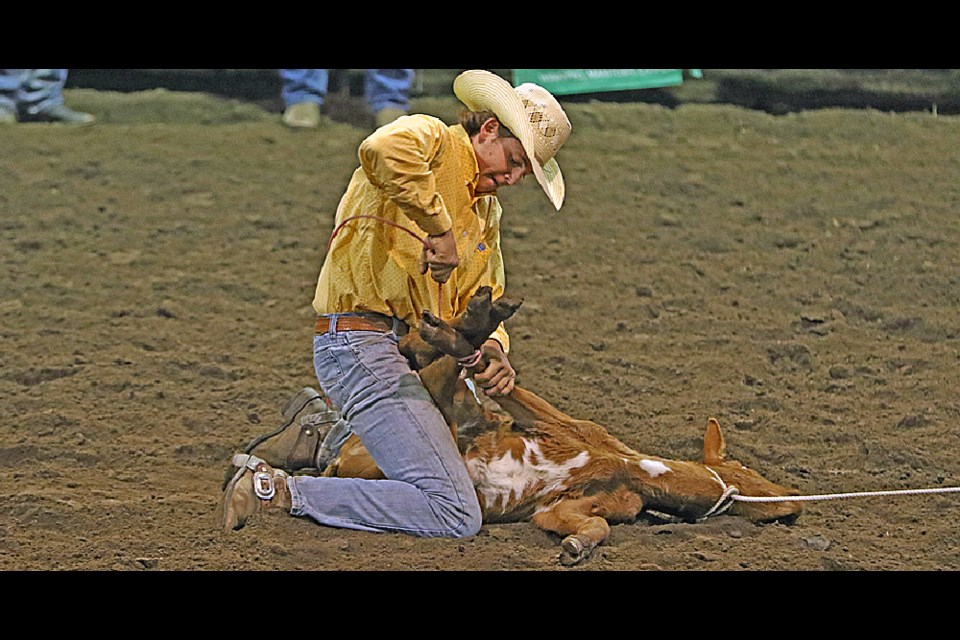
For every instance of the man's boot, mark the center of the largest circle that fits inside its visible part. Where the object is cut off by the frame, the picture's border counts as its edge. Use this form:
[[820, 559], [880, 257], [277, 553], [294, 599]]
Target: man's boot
[[307, 418], [255, 486]]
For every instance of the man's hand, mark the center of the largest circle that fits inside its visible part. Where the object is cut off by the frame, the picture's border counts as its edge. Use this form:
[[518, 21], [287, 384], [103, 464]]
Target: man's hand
[[498, 378], [441, 258]]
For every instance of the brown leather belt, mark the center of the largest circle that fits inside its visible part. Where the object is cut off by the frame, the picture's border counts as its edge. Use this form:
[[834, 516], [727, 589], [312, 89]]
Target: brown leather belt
[[365, 322]]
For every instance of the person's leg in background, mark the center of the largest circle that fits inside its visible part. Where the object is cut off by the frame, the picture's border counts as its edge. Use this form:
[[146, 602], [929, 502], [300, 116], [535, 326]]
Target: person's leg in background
[[40, 98], [387, 92], [9, 90], [303, 92]]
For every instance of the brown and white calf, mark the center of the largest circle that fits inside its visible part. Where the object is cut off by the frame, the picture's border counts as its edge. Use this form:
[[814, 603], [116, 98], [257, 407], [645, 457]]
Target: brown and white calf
[[530, 461]]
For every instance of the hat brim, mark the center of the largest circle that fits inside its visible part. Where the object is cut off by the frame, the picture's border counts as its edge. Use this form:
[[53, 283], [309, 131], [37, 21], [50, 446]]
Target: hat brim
[[484, 91]]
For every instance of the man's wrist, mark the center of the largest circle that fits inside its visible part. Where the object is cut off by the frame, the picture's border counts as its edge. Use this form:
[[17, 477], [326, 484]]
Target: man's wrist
[[495, 342]]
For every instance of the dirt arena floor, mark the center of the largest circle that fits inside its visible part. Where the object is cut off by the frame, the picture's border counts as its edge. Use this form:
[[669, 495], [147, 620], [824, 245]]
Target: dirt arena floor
[[797, 277]]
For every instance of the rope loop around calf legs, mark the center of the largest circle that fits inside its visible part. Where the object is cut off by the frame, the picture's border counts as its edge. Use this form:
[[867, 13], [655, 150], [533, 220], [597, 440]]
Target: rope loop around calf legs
[[726, 498]]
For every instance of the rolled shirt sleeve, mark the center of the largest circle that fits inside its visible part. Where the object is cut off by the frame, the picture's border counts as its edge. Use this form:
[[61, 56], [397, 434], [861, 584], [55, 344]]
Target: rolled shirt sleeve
[[397, 159]]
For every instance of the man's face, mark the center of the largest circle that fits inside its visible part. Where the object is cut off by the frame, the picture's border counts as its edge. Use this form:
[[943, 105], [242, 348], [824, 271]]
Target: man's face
[[501, 160]]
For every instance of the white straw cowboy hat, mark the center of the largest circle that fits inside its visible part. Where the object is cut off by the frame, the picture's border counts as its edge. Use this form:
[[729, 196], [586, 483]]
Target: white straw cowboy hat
[[531, 113]]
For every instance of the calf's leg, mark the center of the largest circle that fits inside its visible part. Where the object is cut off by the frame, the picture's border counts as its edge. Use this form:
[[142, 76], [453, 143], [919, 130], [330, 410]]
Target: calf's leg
[[354, 461], [573, 519]]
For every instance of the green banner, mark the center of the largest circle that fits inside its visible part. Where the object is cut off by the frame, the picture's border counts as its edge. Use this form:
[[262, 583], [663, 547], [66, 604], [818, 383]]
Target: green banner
[[564, 81]]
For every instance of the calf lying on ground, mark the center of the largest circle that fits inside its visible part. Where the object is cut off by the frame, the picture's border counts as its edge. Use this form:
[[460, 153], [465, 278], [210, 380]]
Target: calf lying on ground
[[530, 461]]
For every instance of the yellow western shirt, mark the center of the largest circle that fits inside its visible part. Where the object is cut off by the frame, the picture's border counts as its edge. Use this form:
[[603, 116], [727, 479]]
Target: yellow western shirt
[[421, 174]]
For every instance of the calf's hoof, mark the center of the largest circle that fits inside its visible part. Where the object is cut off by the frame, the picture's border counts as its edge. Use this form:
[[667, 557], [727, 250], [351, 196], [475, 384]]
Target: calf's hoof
[[572, 551]]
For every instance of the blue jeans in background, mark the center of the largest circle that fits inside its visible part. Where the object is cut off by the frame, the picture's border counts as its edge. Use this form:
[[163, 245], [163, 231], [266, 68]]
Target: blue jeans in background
[[31, 90], [428, 492], [383, 88]]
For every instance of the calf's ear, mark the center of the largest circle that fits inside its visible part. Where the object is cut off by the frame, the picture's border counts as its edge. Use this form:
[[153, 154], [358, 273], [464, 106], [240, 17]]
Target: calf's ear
[[713, 444]]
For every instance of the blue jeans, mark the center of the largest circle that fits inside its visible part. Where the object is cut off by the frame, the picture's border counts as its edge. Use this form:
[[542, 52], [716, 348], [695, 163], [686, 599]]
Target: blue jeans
[[31, 90], [383, 88], [427, 492]]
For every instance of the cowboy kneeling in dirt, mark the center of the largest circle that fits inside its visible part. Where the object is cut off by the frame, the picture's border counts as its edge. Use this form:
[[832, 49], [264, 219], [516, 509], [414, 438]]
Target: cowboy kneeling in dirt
[[373, 286]]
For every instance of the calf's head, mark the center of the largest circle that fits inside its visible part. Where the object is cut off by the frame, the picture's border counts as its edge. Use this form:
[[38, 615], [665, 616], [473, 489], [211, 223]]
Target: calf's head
[[748, 483]]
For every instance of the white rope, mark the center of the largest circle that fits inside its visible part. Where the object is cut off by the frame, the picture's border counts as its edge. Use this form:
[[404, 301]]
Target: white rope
[[835, 496], [725, 500], [731, 494]]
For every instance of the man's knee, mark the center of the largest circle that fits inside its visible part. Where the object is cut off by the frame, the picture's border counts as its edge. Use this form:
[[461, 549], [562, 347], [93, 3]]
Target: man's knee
[[465, 521], [473, 521], [467, 527]]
